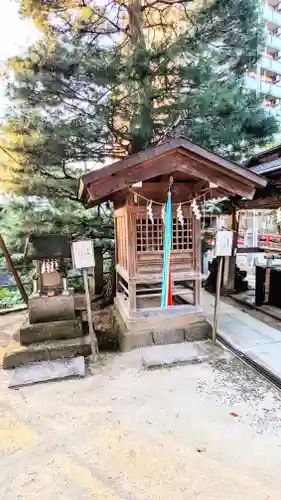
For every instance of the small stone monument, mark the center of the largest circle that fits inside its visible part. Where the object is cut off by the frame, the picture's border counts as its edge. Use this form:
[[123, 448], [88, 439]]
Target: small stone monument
[[53, 331]]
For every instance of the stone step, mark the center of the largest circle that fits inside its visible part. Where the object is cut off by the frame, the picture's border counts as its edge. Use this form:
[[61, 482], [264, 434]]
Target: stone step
[[17, 355], [52, 330]]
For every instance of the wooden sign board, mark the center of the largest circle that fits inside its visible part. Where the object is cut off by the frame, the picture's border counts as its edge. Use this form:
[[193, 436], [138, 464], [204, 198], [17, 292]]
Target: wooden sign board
[[83, 254], [224, 242]]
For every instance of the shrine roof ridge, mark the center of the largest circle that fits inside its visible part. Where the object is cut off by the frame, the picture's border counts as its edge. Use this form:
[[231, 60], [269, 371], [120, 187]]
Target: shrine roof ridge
[[182, 145]]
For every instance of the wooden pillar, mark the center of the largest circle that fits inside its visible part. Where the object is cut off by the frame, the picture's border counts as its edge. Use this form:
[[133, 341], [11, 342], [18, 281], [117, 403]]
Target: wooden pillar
[[98, 273], [132, 290], [113, 277], [91, 283], [131, 239], [226, 272], [232, 260]]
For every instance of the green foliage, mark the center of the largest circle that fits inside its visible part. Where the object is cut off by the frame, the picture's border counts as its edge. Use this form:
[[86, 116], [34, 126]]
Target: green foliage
[[205, 243], [22, 216], [110, 79], [9, 298]]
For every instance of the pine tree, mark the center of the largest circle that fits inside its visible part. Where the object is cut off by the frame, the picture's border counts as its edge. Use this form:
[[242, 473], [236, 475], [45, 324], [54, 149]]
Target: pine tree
[[107, 80], [20, 217]]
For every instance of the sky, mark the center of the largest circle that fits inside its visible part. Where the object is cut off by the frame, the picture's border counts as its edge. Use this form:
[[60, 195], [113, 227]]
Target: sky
[[16, 35]]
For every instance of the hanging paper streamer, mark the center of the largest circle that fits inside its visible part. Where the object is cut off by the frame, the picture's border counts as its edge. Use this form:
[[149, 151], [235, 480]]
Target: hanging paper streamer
[[49, 266], [195, 209], [149, 212], [163, 213], [180, 215], [166, 299], [278, 215]]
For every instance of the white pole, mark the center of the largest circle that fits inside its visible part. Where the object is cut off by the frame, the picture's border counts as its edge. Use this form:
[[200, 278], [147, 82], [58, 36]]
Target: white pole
[[217, 298]]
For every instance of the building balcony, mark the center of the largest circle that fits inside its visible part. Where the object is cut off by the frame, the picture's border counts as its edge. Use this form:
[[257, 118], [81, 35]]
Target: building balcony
[[271, 65], [270, 15], [271, 3], [273, 41], [266, 88]]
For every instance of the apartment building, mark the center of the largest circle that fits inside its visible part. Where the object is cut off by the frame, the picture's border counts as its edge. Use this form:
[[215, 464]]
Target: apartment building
[[266, 78]]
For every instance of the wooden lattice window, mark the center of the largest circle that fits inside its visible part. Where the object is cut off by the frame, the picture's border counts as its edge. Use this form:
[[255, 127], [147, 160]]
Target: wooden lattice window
[[182, 235], [150, 236]]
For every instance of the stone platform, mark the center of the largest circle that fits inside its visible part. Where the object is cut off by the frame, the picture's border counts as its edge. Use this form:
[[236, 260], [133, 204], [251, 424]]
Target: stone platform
[[17, 355], [155, 326], [52, 330], [58, 369], [52, 333], [187, 353]]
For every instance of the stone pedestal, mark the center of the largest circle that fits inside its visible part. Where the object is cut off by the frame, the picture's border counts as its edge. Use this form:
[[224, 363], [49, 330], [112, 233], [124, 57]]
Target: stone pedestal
[[43, 309], [155, 326]]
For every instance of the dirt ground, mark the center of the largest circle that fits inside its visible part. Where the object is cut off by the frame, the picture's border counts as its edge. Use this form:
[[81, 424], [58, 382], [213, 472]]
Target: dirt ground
[[9, 326], [126, 433]]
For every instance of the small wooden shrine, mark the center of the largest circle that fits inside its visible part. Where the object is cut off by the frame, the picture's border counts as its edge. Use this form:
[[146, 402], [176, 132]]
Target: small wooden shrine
[[138, 187], [51, 298], [49, 254]]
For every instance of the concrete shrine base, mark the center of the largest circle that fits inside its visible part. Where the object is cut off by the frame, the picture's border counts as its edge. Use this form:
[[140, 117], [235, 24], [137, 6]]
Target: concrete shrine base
[[156, 326]]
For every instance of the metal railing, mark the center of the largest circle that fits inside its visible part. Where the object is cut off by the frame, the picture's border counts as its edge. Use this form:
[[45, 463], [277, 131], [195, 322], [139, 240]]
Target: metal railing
[[272, 16], [273, 41], [272, 89], [266, 241], [271, 65]]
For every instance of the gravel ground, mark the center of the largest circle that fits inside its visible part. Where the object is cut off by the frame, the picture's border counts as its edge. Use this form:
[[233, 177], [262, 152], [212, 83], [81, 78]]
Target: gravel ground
[[126, 433]]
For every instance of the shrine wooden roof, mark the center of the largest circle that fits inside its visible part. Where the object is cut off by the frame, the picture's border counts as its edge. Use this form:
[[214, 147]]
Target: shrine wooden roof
[[268, 164], [48, 246], [189, 161], [263, 157]]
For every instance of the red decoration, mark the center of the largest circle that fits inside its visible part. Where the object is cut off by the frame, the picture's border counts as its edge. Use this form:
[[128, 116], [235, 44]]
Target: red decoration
[[170, 295]]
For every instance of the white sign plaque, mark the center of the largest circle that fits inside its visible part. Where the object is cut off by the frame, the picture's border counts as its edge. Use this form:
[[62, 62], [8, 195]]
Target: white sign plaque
[[224, 240], [83, 254]]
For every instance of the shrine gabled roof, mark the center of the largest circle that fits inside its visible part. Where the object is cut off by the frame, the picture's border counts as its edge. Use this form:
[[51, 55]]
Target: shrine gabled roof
[[263, 157], [268, 167], [48, 246], [178, 154]]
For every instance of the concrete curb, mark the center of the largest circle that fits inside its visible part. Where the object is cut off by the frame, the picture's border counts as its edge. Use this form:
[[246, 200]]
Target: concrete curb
[[259, 367], [175, 362], [253, 307], [23, 307]]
